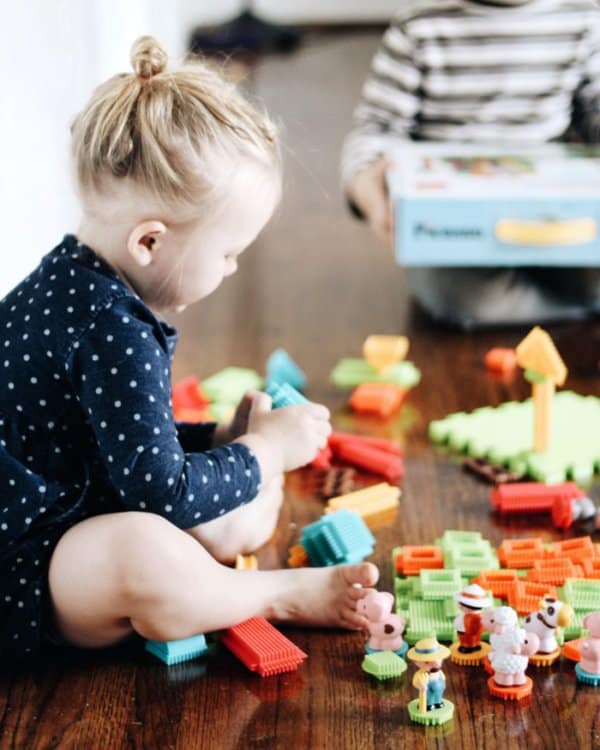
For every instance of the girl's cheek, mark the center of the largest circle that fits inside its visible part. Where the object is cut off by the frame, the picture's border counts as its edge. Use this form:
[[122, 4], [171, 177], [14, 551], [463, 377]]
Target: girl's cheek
[[231, 267]]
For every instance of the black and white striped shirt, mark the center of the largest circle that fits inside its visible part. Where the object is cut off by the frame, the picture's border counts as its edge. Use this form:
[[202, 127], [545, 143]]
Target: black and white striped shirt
[[471, 70]]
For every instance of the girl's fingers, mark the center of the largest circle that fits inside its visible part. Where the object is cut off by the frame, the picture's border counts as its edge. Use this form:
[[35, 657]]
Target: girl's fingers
[[261, 403], [318, 411]]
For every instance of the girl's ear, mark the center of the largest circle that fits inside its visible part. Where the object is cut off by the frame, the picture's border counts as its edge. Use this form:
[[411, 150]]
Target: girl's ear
[[144, 240]]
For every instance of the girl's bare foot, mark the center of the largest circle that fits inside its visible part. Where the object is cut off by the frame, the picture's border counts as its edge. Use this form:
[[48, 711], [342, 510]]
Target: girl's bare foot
[[244, 529], [325, 597]]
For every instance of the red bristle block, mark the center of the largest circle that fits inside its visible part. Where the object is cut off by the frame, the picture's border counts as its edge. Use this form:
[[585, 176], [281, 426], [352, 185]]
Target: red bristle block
[[262, 648], [337, 439], [373, 460], [188, 395]]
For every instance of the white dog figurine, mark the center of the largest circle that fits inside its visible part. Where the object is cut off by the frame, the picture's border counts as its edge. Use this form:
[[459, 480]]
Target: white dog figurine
[[552, 614]]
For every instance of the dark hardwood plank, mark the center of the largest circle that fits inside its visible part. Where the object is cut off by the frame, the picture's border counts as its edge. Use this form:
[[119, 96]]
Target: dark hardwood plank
[[317, 283]]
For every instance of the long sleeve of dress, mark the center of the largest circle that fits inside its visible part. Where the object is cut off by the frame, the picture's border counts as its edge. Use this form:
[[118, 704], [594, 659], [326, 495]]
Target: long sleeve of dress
[[120, 371]]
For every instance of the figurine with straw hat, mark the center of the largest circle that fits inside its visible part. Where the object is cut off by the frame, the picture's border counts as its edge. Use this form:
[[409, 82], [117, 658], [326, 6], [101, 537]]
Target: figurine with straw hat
[[430, 707]]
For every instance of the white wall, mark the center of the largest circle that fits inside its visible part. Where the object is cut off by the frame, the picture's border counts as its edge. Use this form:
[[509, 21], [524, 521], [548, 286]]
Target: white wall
[[52, 53], [326, 11], [292, 11]]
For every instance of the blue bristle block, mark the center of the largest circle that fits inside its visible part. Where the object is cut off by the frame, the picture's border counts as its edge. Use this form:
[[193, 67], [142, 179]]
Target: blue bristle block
[[283, 394], [175, 652], [281, 368], [340, 537]]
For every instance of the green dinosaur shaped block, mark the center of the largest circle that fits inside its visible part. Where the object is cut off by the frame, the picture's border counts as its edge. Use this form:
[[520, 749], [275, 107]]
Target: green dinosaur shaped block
[[504, 435]]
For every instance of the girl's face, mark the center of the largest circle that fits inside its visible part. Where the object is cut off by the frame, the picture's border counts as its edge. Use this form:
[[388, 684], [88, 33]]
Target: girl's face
[[196, 256]]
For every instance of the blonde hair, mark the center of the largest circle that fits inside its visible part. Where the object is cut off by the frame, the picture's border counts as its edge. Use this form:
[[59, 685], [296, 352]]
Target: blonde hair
[[159, 128]]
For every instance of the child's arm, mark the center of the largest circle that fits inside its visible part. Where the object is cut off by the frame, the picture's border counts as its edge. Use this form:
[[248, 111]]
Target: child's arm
[[587, 96], [120, 372], [384, 116], [368, 196]]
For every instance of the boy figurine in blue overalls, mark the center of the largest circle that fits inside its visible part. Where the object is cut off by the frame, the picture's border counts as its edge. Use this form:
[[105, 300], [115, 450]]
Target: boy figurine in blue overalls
[[430, 707]]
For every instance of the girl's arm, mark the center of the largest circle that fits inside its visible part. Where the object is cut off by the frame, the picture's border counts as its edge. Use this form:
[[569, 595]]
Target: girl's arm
[[120, 372]]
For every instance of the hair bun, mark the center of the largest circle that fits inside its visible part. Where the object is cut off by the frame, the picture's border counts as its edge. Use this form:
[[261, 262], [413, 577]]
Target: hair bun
[[148, 57]]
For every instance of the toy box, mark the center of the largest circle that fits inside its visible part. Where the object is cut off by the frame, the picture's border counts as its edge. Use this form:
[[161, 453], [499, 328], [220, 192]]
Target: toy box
[[481, 205]]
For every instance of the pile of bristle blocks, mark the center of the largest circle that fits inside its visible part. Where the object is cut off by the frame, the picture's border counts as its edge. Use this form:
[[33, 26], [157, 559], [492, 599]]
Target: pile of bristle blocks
[[519, 574]]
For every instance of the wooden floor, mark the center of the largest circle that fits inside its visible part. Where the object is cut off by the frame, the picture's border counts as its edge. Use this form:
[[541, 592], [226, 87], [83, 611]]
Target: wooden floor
[[317, 283]]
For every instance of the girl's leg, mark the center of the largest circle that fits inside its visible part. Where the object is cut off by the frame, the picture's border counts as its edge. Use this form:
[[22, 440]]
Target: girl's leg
[[123, 572]]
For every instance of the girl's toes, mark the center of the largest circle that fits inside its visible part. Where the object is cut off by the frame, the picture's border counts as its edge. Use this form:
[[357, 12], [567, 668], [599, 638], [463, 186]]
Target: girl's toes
[[367, 574], [353, 620], [358, 593]]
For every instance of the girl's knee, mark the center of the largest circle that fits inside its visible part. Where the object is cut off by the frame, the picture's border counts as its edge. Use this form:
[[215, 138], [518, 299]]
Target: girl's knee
[[148, 550]]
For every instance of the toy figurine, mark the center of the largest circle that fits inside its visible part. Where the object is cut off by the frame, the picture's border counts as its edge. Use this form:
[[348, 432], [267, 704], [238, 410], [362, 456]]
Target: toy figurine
[[385, 628], [430, 707], [511, 648], [588, 669], [469, 650], [498, 621], [553, 614]]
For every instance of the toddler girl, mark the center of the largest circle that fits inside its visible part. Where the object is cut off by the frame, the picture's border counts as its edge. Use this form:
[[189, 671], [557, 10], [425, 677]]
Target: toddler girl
[[115, 519]]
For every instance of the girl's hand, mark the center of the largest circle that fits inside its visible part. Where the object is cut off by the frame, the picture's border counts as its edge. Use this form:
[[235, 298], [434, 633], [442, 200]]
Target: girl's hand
[[239, 424], [297, 432], [287, 438], [368, 191]]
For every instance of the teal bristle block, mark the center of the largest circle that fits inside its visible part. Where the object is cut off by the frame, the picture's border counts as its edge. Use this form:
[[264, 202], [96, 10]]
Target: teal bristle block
[[175, 652], [283, 394], [340, 537], [330, 540], [281, 368]]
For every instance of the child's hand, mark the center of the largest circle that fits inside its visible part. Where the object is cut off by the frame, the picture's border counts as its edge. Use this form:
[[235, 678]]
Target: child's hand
[[292, 435], [368, 190], [239, 424]]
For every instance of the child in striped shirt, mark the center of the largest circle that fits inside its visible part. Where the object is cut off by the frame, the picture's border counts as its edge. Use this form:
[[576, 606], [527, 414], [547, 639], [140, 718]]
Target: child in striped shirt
[[504, 71]]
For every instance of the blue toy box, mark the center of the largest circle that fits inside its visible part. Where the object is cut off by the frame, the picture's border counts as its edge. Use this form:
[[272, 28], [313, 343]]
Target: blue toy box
[[480, 205]]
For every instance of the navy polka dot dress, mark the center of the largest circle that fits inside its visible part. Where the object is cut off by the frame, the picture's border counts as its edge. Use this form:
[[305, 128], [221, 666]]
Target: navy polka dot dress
[[86, 428]]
